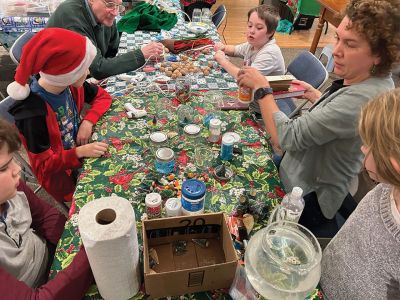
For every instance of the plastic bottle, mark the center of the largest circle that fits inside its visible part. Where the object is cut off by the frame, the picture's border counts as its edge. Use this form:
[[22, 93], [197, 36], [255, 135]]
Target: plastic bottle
[[291, 206]]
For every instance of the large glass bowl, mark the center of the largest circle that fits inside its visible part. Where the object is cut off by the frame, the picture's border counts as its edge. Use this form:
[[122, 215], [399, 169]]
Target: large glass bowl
[[283, 261]]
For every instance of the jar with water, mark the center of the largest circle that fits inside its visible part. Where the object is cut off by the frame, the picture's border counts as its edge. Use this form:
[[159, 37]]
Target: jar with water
[[283, 261]]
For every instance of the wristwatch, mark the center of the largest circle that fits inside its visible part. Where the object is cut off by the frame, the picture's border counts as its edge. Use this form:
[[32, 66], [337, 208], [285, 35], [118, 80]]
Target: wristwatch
[[261, 92]]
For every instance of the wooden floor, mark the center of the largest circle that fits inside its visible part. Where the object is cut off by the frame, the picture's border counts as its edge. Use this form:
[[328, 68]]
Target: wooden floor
[[236, 23]]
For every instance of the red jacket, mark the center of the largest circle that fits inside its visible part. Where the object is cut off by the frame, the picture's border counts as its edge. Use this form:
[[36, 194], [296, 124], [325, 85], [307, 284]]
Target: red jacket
[[70, 283], [40, 134]]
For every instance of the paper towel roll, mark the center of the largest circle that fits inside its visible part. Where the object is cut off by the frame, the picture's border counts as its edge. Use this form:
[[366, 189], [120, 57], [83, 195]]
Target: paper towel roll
[[108, 230]]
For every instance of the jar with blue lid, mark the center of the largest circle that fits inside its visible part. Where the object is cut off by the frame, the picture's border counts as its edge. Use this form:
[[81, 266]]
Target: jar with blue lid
[[193, 196], [165, 160]]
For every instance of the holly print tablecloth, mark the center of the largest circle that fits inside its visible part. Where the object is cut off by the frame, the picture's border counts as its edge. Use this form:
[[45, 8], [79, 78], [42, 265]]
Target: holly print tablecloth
[[128, 171]]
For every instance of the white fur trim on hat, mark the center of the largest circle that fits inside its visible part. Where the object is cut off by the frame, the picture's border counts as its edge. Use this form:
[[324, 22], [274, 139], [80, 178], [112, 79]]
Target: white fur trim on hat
[[18, 91], [71, 77]]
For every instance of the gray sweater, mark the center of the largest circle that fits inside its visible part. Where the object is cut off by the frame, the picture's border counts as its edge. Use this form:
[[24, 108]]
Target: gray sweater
[[363, 260], [323, 146]]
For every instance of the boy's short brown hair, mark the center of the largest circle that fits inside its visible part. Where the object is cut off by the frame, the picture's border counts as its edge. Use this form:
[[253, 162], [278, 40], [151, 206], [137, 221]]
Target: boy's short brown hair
[[268, 14], [9, 136]]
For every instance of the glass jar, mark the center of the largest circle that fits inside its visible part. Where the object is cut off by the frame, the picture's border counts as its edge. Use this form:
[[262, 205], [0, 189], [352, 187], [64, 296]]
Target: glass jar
[[192, 133], [165, 160], [182, 89], [158, 140], [185, 114], [283, 261]]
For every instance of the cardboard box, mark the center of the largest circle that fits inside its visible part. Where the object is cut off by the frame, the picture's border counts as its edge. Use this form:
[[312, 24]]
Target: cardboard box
[[196, 269]]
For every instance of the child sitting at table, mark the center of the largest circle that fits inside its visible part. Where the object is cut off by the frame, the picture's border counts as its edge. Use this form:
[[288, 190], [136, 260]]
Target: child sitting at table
[[363, 260], [49, 117], [29, 231], [260, 51]]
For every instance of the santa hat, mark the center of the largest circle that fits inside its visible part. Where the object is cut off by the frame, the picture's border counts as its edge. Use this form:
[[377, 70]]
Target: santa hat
[[60, 56]]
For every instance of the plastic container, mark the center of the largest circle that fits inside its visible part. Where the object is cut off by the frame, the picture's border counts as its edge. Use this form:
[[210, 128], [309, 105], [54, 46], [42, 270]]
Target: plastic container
[[283, 261], [153, 204], [215, 130], [173, 207], [165, 160], [227, 147], [193, 196], [292, 205]]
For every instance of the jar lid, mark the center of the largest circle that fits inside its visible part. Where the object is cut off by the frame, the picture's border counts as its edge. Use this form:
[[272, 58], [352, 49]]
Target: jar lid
[[192, 129], [215, 122], [236, 137], [153, 200], [158, 137], [228, 139], [193, 189], [165, 154]]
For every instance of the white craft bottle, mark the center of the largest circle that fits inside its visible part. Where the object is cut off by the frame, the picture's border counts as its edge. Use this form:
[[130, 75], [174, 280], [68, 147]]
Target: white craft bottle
[[291, 206]]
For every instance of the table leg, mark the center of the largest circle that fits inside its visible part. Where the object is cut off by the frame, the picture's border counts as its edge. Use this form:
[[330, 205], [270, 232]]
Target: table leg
[[318, 32]]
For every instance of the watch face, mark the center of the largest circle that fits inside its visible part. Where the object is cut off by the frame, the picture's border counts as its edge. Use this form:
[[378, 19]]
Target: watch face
[[261, 92]]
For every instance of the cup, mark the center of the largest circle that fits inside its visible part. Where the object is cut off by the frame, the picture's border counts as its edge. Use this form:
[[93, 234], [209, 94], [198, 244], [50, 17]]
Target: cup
[[206, 15], [203, 157], [196, 16]]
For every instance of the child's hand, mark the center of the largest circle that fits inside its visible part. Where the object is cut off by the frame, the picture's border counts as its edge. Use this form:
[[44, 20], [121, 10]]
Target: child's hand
[[95, 149], [219, 46], [84, 132], [310, 93], [219, 56]]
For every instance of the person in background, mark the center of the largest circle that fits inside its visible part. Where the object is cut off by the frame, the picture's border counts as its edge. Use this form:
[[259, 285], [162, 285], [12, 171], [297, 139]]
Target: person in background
[[48, 115], [96, 20], [29, 231], [363, 260], [260, 51], [322, 147]]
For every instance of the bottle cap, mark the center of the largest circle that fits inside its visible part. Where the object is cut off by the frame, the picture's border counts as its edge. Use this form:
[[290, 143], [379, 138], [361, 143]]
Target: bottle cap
[[297, 192], [193, 189], [228, 139], [165, 154], [215, 122], [153, 200], [235, 136], [191, 129], [158, 137]]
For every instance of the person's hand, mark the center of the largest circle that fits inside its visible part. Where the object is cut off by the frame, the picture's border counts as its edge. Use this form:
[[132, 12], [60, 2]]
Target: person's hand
[[95, 149], [219, 46], [251, 78], [84, 132], [153, 50], [310, 92], [219, 56]]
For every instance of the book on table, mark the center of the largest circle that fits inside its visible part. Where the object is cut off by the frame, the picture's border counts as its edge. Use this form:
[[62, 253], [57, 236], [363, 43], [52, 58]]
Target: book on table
[[293, 90]]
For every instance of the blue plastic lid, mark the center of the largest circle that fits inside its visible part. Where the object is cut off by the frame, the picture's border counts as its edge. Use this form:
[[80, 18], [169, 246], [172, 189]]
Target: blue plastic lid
[[193, 189]]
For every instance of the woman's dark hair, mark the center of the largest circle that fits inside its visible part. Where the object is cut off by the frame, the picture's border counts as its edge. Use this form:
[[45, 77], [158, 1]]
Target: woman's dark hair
[[268, 14], [378, 21], [9, 136]]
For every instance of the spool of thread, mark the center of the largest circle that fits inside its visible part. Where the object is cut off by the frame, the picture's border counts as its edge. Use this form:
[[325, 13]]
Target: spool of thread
[[153, 205], [173, 207], [108, 230]]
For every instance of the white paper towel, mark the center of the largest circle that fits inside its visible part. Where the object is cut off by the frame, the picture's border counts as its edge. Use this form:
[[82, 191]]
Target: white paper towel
[[108, 230]]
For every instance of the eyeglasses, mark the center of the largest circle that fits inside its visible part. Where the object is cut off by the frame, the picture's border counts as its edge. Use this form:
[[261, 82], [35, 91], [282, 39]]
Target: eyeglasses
[[12, 234], [114, 6]]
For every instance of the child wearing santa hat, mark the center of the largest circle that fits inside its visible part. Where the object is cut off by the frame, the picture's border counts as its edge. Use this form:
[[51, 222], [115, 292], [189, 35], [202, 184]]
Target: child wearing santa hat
[[48, 115]]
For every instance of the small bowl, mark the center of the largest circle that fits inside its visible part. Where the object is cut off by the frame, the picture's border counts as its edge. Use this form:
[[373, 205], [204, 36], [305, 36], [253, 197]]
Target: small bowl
[[228, 173]]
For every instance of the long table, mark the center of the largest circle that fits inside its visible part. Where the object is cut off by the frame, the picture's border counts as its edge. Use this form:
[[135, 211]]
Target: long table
[[128, 168]]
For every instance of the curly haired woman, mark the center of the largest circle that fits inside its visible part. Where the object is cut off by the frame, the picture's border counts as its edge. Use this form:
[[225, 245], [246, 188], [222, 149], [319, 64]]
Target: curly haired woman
[[322, 146]]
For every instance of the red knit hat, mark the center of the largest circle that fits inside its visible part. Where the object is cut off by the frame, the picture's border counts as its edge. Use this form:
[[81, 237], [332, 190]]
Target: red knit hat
[[60, 56]]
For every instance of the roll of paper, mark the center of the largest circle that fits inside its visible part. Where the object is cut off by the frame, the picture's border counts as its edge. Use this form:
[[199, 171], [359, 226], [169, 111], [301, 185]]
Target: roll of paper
[[108, 230]]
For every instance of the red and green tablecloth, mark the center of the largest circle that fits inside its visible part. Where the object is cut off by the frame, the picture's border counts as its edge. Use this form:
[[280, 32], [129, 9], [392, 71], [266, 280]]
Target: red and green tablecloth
[[128, 168]]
